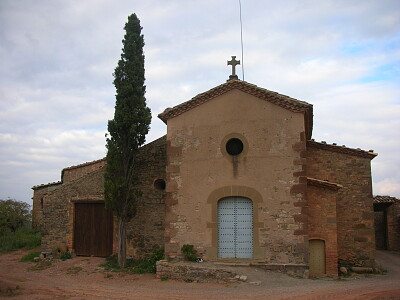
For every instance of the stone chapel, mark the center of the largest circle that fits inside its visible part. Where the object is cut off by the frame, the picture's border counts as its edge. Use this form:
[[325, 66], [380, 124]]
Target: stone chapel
[[238, 176]]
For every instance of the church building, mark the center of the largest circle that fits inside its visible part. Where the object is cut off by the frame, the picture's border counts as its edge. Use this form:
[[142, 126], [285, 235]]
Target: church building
[[239, 177]]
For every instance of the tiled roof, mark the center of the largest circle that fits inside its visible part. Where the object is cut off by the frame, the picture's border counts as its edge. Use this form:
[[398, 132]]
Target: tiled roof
[[323, 184], [104, 159], [85, 164], [159, 140], [273, 97], [385, 199], [45, 185], [342, 149]]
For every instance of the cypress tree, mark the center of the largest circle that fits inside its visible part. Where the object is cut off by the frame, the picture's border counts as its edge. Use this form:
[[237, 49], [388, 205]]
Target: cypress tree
[[127, 132]]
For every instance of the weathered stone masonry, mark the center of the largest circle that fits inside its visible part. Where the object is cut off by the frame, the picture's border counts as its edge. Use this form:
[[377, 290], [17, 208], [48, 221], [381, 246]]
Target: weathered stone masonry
[[307, 202], [350, 168], [145, 232]]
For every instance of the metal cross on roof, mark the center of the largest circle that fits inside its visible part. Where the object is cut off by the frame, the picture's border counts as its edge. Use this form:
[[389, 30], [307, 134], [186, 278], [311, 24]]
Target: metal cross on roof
[[233, 62]]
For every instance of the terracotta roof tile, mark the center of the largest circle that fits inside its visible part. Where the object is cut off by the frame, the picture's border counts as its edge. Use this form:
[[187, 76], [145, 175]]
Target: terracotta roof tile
[[159, 140], [385, 199], [85, 164], [45, 185], [323, 184], [270, 96], [342, 149]]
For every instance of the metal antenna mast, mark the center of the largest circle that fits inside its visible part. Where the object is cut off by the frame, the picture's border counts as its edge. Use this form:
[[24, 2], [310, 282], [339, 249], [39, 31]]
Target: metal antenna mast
[[241, 36]]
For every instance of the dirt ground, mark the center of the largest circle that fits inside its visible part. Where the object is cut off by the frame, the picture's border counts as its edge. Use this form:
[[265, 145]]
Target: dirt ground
[[82, 278]]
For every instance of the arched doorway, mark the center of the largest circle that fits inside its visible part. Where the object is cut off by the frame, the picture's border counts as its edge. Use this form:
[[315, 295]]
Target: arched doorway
[[317, 258], [235, 227]]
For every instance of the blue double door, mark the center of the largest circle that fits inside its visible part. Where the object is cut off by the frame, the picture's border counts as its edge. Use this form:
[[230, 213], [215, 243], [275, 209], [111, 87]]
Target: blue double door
[[235, 228]]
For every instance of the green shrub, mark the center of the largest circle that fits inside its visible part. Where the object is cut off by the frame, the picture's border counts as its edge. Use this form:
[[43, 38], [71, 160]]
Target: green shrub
[[30, 256], [21, 238], [142, 266], [66, 255], [189, 252]]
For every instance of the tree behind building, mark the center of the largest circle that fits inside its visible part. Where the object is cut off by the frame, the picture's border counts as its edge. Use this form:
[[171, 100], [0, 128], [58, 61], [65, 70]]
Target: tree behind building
[[14, 215]]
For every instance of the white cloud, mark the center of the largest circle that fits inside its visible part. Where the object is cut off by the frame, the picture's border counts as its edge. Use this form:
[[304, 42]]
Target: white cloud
[[56, 89]]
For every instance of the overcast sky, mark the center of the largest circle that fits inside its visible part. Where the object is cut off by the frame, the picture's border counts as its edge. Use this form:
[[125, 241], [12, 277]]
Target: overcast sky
[[57, 60]]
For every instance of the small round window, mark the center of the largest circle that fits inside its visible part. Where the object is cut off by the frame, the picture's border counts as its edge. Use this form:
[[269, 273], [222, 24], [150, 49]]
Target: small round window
[[159, 184], [234, 146]]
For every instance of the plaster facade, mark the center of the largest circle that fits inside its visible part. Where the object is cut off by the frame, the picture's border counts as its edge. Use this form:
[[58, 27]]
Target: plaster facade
[[201, 166]]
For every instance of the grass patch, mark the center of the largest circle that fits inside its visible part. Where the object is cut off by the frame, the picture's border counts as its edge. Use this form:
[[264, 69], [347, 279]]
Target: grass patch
[[74, 270], [41, 265], [380, 271], [30, 256], [22, 238], [134, 266], [10, 292]]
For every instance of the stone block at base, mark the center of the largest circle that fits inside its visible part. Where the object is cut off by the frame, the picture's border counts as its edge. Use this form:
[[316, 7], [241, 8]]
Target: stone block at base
[[297, 270], [194, 272]]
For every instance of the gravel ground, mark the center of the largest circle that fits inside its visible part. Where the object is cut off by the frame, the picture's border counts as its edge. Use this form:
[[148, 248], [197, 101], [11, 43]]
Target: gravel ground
[[82, 278]]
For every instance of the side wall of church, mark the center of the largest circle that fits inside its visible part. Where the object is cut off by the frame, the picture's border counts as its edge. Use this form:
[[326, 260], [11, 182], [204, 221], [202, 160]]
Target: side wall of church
[[58, 210], [269, 171], [355, 216], [145, 232]]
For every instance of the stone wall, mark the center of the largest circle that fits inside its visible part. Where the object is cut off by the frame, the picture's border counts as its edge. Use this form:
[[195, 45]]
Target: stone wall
[[58, 209], [73, 173], [194, 272], [350, 168], [145, 232], [68, 175], [39, 194]]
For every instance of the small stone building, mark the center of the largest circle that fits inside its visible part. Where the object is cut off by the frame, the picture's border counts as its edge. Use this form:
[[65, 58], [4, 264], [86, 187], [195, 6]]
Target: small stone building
[[238, 176]]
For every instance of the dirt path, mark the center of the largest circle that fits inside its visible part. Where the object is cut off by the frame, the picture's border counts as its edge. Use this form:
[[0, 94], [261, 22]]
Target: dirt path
[[81, 278]]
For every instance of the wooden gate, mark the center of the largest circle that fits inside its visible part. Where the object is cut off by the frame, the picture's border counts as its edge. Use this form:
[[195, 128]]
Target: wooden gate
[[93, 230]]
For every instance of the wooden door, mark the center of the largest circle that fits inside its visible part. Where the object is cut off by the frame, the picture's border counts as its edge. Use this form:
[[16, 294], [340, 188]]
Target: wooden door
[[317, 257], [380, 230], [93, 230]]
